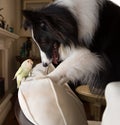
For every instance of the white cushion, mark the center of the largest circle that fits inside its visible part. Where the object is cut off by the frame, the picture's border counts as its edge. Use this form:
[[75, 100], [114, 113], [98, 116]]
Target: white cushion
[[111, 115], [46, 103]]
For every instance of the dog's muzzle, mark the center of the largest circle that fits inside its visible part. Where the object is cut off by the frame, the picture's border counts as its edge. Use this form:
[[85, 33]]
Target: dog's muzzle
[[45, 64], [54, 59]]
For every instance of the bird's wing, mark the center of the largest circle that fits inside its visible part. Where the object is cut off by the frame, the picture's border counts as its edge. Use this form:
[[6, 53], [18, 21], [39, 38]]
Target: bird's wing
[[20, 70], [19, 79]]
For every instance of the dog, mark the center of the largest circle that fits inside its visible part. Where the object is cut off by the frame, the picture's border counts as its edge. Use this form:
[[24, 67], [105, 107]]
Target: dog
[[84, 35]]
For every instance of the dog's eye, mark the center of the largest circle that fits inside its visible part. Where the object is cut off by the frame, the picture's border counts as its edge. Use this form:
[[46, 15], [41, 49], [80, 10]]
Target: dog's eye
[[43, 25]]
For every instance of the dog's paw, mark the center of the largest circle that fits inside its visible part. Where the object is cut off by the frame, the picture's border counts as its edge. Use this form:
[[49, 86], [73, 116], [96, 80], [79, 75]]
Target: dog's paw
[[57, 79]]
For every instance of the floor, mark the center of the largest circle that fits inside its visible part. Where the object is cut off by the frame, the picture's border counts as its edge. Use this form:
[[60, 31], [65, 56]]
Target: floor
[[11, 119]]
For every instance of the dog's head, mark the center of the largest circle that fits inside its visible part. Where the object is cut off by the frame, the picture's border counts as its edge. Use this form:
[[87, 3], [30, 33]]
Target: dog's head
[[54, 29]]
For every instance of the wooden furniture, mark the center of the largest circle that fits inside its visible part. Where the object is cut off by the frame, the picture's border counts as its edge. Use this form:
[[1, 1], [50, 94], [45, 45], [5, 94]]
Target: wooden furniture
[[95, 101], [33, 4]]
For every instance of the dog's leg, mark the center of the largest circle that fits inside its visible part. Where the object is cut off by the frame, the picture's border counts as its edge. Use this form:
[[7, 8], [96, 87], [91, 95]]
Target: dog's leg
[[79, 66]]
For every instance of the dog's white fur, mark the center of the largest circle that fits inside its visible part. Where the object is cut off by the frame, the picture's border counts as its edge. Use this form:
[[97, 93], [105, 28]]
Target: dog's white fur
[[78, 63], [86, 14]]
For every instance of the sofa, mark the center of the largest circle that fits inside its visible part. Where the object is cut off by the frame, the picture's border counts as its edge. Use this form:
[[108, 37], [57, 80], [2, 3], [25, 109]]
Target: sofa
[[42, 102]]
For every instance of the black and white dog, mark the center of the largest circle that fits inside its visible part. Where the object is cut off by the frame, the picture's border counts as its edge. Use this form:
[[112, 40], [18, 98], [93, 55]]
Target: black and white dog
[[84, 34]]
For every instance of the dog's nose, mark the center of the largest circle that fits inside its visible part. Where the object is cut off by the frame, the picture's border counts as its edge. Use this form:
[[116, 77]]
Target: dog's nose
[[45, 64]]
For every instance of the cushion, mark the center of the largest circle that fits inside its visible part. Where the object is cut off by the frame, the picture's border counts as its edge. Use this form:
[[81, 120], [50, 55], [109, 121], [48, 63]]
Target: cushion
[[111, 115], [46, 103]]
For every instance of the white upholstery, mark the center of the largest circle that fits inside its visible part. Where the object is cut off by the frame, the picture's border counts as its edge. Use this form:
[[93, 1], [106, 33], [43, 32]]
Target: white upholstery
[[46, 103], [111, 114]]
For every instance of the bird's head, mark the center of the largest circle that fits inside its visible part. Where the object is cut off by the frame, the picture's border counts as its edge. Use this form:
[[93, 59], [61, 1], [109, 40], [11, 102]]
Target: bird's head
[[27, 63]]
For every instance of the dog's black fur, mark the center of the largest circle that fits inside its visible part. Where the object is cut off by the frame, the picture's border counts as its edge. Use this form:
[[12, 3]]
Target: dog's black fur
[[107, 38], [55, 24]]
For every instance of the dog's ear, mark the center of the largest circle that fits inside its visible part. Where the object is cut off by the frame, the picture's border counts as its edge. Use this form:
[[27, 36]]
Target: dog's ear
[[30, 17], [26, 22], [29, 14]]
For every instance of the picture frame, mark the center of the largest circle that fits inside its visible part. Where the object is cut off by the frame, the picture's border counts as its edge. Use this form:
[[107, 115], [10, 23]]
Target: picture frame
[[34, 4]]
